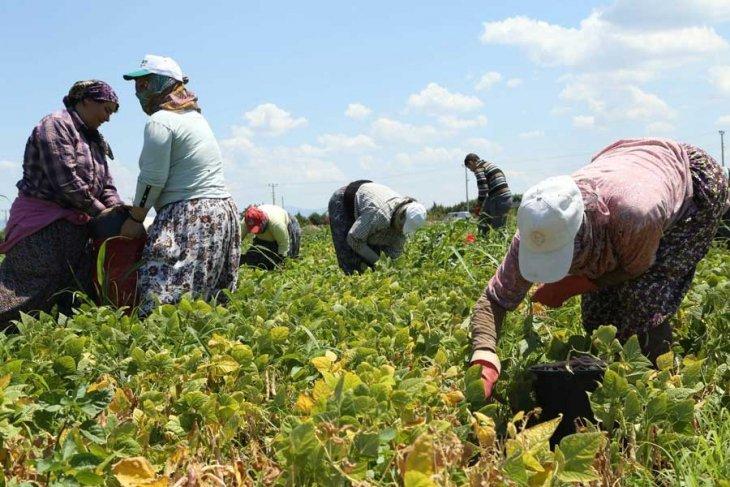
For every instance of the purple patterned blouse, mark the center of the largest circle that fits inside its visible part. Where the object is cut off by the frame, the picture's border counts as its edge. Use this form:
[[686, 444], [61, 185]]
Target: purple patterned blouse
[[633, 191], [65, 162]]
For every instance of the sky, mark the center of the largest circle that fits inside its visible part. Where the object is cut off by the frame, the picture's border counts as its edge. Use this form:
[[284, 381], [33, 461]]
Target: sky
[[312, 95]]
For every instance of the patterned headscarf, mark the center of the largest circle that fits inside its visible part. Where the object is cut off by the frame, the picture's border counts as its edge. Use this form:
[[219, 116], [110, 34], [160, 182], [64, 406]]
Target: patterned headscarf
[[92, 89], [166, 93]]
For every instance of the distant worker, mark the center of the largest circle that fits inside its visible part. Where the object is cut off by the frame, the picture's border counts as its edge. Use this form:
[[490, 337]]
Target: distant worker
[[626, 231], [277, 235], [368, 218], [495, 198]]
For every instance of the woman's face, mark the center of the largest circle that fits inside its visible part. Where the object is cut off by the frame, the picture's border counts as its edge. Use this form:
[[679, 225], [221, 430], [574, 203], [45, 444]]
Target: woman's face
[[96, 113], [141, 84]]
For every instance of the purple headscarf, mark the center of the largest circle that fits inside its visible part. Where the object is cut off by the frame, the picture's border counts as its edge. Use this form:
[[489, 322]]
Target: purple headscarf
[[91, 89]]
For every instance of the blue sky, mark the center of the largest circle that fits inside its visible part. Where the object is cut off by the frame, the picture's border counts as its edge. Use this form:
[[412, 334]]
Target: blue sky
[[310, 95]]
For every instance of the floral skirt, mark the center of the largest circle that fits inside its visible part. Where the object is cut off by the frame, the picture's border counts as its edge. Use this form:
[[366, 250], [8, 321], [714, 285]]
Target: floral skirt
[[43, 270], [193, 247], [640, 305]]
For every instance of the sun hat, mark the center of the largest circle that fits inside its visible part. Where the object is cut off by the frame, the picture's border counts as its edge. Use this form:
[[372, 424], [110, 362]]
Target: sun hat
[[153, 64], [255, 219], [415, 217], [548, 219]]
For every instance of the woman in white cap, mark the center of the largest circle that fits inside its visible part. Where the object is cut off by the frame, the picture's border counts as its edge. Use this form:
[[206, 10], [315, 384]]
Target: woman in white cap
[[194, 242], [625, 231], [368, 218]]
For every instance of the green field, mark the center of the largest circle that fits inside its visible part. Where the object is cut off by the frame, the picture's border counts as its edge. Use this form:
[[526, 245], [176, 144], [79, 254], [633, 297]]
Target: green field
[[308, 377]]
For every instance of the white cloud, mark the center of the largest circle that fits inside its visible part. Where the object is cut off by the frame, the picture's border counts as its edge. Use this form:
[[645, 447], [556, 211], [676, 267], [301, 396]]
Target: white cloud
[[609, 99], [269, 119], [437, 99], [430, 156], [720, 78], [357, 111], [488, 80], [723, 121], [660, 128], [583, 121], [395, 131], [601, 44], [455, 123], [661, 13], [532, 134], [514, 82], [346, 143], [484, 147]]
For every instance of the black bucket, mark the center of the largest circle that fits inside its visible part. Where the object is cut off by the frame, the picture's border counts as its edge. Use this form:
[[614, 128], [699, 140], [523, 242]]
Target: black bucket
[[562, 389]]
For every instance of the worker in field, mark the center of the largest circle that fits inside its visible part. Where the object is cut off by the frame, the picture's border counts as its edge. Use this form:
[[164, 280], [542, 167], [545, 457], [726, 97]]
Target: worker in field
[[368, 218], [194, 243], [494, 199], [626, 232], [277, 235], [66, 184]]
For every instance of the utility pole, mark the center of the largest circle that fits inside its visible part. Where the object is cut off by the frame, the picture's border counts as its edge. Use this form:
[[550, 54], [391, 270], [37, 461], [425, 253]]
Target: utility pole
[[722, 147], [282, 200], [466, 187], [273, 192]]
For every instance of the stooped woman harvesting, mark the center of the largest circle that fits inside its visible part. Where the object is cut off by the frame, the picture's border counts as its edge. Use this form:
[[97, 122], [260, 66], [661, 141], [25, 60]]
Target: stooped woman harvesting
[[625, 231], [194, 243], [66, 183]]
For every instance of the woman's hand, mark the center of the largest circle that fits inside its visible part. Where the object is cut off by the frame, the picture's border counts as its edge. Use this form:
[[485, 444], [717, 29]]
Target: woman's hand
[[132, 229], [553, 295]]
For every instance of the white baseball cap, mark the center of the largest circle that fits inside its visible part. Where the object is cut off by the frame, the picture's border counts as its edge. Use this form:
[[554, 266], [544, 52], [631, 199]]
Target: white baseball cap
[[165, 66], [548, 219], [415, 217]]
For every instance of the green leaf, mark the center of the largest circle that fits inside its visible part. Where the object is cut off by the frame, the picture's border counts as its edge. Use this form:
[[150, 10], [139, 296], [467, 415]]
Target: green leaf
[[65, 365], [614, 386], [604, 334], [87, 477], [366, 444], [632, 406], [665, 361], [578, 452]]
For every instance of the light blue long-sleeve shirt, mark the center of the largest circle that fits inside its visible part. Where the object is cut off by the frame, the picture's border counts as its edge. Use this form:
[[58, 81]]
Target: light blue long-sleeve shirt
[[180, 160]]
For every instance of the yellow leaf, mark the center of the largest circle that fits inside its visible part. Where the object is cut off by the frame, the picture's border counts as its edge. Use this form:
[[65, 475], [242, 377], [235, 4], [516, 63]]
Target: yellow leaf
[[119, 402], [322, 364], [484, 429], [5, 380], [102, 383], [137, 472], [420, 458], [531, 462], [331, 356], [304, 403], [417, 479], [453, 397], [321, 391], [542, 479], [536, 438]]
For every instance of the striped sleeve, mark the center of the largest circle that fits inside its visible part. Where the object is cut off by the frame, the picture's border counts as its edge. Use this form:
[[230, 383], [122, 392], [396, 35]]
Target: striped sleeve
[[482, 185]]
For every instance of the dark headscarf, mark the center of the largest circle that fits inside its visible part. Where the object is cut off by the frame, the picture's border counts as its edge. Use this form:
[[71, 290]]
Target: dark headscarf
[[91, 89]]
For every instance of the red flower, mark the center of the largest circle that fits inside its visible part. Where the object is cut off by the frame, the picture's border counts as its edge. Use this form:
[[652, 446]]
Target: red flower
[[470, 238]]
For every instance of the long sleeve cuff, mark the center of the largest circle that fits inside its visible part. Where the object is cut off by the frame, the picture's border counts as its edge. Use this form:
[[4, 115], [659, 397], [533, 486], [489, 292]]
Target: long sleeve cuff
[[486, 356], [146, 195]]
